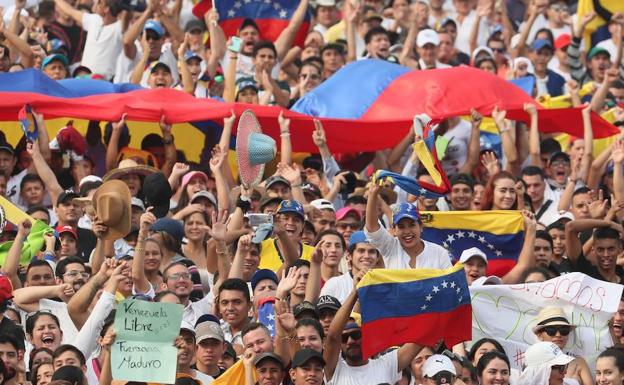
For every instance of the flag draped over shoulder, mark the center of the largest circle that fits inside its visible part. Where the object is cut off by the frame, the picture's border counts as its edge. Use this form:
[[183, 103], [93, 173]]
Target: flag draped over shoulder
[[271, 16], [421, 306], [498, 233]]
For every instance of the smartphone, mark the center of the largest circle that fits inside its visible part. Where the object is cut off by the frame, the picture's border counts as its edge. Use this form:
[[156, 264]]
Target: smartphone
[[235, 45], [256, 220], [418, 127]]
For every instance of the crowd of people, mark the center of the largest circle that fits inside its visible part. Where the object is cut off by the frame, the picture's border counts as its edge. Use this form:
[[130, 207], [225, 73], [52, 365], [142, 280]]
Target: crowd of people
[[148, 224]]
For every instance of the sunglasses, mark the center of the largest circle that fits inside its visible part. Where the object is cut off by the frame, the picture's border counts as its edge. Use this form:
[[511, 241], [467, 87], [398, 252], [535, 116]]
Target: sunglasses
[[355, 336], [553, 330], [559, 368]]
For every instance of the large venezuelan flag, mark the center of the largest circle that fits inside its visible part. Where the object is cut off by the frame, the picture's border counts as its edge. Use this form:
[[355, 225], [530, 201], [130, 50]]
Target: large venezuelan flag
[[422, 306], [498, 233]]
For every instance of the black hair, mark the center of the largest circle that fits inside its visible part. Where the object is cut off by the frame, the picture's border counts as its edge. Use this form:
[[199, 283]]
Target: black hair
[[37, 263], [581, 190], [236, 284], [333, 47], [543, 234], [536, 269], [251, 326], [559, 224], [311, 322], [158, 297], [88, 186], [532, 171], [550, 38], [314, 61], [31, 362], [263, 44], [33, 209], [606, 233], [549, 146], [62, 265], [486, 59], [9, 339], [151, 141], [489, 356], [114, 7], [70, 348], [375, 31], [477, 345], [29, 178], [331, 232], [355, 199], [30, 321], [617, 355], [298, 263]]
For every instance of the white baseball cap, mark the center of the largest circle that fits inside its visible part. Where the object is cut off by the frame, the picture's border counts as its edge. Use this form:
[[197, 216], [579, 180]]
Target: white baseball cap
[[427, 36], [438, 363], [545, 353], [323, 204], [491, 280], [472, 252], [325, 3]]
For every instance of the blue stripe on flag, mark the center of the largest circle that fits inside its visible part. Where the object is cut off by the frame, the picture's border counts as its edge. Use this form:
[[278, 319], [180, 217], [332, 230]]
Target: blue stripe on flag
[[505, 246]]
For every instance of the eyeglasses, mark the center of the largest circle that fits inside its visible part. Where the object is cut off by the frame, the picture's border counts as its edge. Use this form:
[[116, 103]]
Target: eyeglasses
[[352, 226], [559, 368], [354, 335], [559, 8], [553, 330], [499, 50], [178, 276], [311, 76], [76, 273]]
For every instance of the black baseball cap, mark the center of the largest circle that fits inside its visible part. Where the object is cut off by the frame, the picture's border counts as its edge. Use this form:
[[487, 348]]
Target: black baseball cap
[[304, 355], [559, 155], [462, 179], [6, 147], [305, 306], [66, 196], [327, 302], [249, 23], [269, 356]]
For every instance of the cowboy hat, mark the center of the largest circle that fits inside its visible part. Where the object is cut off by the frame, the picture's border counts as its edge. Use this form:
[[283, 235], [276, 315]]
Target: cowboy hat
[[129, 166], [253, 148], [551, 316], [112, 205]]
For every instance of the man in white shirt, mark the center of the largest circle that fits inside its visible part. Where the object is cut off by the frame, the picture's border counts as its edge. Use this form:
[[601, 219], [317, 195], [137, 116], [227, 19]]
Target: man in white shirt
[[405, 250], [427, 46], [326, 15], [177, 279]]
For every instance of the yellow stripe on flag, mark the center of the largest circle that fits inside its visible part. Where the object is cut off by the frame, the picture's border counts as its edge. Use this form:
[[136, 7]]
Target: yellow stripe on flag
[[497, 222], [425, 157], [382, 276]]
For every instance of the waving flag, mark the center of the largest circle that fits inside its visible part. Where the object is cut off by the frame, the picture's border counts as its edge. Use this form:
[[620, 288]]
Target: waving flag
[[415, 305], [498, 233], [271, 16], [266, 314], [28, 123]]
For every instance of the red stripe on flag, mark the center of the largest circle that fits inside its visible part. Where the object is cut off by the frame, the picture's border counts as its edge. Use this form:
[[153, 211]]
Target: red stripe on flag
[[425, 329], [500, 267], [270, 29]]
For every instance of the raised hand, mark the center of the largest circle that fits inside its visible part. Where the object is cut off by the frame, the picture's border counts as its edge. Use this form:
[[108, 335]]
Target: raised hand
[[617, 153], [23, 228], [229, 120], [530, 109], [219, 228], [499, 116], [146, 220], [318, 135], [490, 162], [290, 172], [475, 117], [284, 123], [288, 282]]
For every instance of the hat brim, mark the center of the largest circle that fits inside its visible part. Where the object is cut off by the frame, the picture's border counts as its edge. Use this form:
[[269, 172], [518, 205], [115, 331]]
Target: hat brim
[[250, 175], [538, 328], [117, 173], [562, 359], [122, 227]]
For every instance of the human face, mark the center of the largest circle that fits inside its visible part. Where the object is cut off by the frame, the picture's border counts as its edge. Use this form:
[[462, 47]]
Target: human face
[[461, 196], [559, 338], [495, 373], [445, 49], [293, 224], [535, 278], [264, 59], [264, 289], [607, 372], [408, 232], [280, 189], [310, 51], [75, 275], [558, 237], [8, 355], [309, 338], [474, 268], [477, 197], [300, 286], [67, 358], [309, 79], [56, 70], [332, 60], [347, 226], [250, 36], [379, 46], [251, 260], [41, 215], [418, 362], [598, 65], [559, 170], [504, 194], [186, 348], [463, 7], [32, 193], [46, 333], [42, 357], [332, 250], [68, 245], [557, 373], [194, 67], [326, 316], [617, 322], [196, 184], [44, 374], [133, 181], [153, 256], [484, 348], [487, 66], [498, 47], [269, 373], [365, 256], [606, 251], [160, 78], [258, 340], [209, 351], [178, 280], [40, 276], [324, 220], [428, 53], [426, 203], [352, 345], [542, 251], [310, 373], [195, 227], [326, 16], [541, 58], [580, 206], [234, 307], [249, 96], [68, 212], [576, 150]]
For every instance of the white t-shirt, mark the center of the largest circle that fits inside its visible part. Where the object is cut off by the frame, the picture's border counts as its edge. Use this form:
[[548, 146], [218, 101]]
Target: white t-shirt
[[339, 287], [125, 66], [204, 378], [13, 187], [464, 28], [395, 257], [384, 369], [103, 46], [245, 67], [59, 309], [194, 310], [457, 149]]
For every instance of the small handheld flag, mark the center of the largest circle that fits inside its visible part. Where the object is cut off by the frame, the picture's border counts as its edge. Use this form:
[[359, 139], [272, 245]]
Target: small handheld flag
[[28, 123]]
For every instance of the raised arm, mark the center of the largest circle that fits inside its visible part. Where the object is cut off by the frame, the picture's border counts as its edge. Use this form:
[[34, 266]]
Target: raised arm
[[137, 73], [406, 57], [534, 11], [617, 154], [112, 149], [244, 245], [44, 171], [11, 263], [27, 298], [293, 176], [474, 144], [67, 9], [534, 140], [313, 285], [285, 144], [350, 18], [186, 79], [219, 157], [217, 41], [229, 83], [287, 36], [171, 153], [141, 283], [526, 259], [588, 139], [574, 248], [135, 29], [372, 224]]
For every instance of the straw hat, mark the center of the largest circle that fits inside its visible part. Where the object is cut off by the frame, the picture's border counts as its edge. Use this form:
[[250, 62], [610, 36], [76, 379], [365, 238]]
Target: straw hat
[[112, 204], [551, 316], [129, 166]]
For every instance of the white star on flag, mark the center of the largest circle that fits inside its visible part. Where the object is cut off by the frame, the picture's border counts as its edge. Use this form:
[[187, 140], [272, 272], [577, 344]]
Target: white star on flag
[[490, 246], [482, 239], [452, 284], [428, 297], [422, 191], [270, 327], [271, 317], [435, 289], [231, 13], [498, 253], [472, 234], [460, 234], [237, 4], [423, 307], [450, 238], [458, 290], [283, 13], [444, 284], [276, 5]]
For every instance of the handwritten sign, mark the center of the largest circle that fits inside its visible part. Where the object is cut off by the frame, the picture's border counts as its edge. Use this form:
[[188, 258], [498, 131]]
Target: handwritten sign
[[143, 350], [508, 313]]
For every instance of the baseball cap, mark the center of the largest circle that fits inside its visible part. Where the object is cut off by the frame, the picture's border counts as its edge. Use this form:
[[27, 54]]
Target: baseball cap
[[438, 363], [268, 199], [343, 212], [229, 350], [427, 36], [246, 82], [304, 306], [208, 328], [65, 196], [57, 56], [371, 14], [194, 25], [136, 202], [325, 3], [6, 289], [159, 65], [6, 147], [447, 20], [405, 210], [482, 49], [559, 155], [541, 43], [71, 374], [185, 326], [262, 274], [170, 226], [564, 40], [491, 280], [291, 206], [462, 179], [89, 178], [327, 302], [358, 237], [276, 179], [545, 353], [311, 189], [304, 355], [188, 55], [268, 356], [322, 204], [597, 51], [66, 229], [248, 23], [204, 194], [472, 252], [154, 26]]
